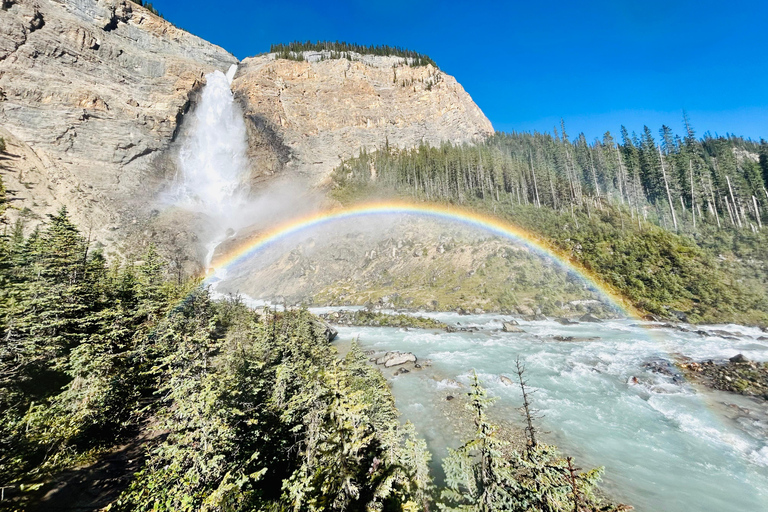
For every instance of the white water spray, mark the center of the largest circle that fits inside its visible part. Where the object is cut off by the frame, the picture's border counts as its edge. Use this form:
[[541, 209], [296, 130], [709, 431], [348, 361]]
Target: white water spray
[[212, 160]]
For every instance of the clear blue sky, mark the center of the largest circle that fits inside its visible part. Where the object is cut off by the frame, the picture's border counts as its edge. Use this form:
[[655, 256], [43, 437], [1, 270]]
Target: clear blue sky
[[597, 64]]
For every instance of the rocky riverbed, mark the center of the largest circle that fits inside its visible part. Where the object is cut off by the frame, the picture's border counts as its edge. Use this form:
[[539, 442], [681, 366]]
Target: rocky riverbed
[[737, 375]]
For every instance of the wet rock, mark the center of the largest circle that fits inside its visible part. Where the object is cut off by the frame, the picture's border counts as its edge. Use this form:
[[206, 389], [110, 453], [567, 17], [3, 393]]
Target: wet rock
[[739, 376], [449, 397], [577, 339], [661, 366], [589, 317], [565, 321], [726, 334], [510, 327], [650, 317], [451, 328], [401, 371], [762, 338], [506, 380]]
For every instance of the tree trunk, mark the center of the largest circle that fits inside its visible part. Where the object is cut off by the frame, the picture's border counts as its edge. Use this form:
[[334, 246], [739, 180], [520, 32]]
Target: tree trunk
[[666, 185]]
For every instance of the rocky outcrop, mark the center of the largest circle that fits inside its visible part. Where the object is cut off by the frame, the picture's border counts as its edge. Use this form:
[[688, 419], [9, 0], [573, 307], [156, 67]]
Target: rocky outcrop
[[511, 327], [737, 375], [308, 115], [92, 93]]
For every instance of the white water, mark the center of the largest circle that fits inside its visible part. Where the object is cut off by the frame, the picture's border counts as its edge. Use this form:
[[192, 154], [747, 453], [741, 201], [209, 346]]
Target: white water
[[666, 446], [212, 160]]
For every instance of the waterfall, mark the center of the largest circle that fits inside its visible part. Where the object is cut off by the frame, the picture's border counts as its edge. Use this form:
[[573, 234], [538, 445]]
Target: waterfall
[[212, 161]]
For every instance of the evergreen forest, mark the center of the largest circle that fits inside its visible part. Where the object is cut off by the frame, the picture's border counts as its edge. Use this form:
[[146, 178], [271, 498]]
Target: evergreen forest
[[343, 50], [674, 223]]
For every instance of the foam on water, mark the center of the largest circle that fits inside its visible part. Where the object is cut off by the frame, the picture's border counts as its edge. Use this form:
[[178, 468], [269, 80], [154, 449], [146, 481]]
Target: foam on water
[[212, 160]]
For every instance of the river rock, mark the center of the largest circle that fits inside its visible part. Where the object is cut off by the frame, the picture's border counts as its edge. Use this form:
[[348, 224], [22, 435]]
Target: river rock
[[726, 334], [739, 358], [329, 332], [575, 338], [506, 380], [762, 338], [509, 327], [565, 321], [589, 317], [391, 359]]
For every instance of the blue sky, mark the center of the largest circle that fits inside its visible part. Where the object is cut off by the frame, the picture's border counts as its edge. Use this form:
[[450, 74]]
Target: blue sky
[[597, 64]]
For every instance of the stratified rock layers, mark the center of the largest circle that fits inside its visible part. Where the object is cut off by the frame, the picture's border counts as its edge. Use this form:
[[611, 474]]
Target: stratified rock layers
[[93, 92], [326, 110], [93, 97]]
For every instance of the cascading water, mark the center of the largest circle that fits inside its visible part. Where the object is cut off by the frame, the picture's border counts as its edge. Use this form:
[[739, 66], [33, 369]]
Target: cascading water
[[212, 160]]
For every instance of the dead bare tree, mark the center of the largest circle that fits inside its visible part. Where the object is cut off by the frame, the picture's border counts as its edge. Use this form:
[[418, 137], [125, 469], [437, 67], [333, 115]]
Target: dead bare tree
[[527, 410], [574, 488]]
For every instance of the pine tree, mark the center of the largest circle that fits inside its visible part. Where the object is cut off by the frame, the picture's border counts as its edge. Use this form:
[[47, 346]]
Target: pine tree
[[478, 477]]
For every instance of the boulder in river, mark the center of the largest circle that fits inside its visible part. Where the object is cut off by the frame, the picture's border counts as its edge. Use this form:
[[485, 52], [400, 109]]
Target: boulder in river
[[391, 359], [739, 358], [575, 338], [589, 317], [726, 334], [565, 321], [506, 380], [510, 327]]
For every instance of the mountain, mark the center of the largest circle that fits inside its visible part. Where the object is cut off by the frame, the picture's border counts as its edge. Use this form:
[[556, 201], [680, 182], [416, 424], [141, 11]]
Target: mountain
[[308, 115], [94, 95]]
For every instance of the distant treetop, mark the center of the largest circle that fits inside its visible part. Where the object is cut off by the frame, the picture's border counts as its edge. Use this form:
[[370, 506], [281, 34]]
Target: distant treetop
[[340, 50]]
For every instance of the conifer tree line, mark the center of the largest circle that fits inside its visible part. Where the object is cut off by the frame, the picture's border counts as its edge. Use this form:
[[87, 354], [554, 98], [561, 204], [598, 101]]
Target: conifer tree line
[[341, 50], [254, 410], [678, 182]]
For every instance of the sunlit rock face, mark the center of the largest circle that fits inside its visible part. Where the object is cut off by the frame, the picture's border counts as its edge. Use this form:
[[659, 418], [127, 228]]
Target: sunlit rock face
[[306, 116], [92, 94]]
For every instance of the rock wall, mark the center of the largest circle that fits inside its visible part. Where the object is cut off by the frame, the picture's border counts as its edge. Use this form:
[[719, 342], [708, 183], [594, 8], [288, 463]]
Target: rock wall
[[319, 111], [91, 96]]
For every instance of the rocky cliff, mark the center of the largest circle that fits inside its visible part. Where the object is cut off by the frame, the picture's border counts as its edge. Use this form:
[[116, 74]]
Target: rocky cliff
[[91, 97], [306, 116]]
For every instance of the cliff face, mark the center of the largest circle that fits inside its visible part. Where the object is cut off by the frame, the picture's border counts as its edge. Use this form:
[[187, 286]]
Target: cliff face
[[320, 111], [92, 93], [93, 97]]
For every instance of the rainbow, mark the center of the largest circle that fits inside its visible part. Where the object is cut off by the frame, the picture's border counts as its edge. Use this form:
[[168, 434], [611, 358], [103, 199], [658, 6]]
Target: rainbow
[[487, 223]]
